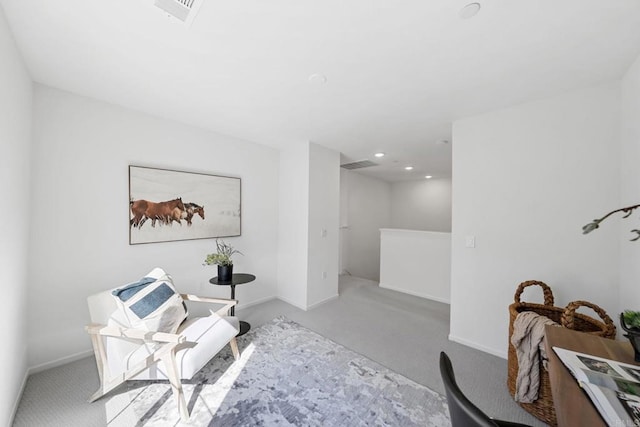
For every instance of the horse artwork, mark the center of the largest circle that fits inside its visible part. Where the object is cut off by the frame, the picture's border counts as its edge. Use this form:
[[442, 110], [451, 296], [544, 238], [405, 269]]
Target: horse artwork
[[193, 209], [164, 212], [156, 197], [176, 215]]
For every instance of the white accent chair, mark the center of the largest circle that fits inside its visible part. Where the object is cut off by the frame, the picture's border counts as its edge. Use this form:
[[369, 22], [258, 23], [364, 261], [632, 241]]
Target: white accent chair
[[124, 353]]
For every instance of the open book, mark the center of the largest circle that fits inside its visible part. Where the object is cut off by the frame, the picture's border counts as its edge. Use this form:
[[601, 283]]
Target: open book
[[614, 387]]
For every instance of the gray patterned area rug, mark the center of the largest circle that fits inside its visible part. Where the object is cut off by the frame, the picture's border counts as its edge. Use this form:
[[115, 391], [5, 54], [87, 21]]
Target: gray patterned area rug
[[287, 376]]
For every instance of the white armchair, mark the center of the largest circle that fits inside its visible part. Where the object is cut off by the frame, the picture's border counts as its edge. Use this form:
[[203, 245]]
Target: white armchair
[[124, 352]]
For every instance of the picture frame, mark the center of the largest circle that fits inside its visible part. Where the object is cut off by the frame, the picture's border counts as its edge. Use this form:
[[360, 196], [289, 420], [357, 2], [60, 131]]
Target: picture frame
[[167, 205]]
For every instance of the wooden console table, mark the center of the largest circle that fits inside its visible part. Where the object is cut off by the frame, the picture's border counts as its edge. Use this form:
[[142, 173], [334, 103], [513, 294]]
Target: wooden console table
[[573, 406]]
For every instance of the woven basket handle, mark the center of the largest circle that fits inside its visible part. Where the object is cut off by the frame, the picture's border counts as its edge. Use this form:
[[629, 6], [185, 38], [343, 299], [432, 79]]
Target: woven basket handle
[[546, 290], [567, 319]]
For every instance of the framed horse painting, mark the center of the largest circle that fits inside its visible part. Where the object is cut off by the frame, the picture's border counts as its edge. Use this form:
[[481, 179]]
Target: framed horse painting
[[167, 205]]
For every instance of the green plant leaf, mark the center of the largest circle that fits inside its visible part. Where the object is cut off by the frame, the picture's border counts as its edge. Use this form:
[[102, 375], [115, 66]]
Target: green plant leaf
[[223, 254], [631, 318]]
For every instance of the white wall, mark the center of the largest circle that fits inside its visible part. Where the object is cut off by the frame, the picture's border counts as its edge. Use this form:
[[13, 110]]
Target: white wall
[[368, 210], [324, 213], [79, 241], [630, 189], [416, 263], [526, 179], [15, 150], [309, 204], [421, 205], [293, 230]]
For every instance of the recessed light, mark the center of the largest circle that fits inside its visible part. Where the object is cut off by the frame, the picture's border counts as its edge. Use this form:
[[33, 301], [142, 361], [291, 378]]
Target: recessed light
[[469, 11], [379, 154], [428, 176], [408, 168]]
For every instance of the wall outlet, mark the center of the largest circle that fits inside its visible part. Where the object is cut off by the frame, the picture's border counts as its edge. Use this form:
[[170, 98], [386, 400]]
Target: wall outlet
[[324, 274], [323, 233]]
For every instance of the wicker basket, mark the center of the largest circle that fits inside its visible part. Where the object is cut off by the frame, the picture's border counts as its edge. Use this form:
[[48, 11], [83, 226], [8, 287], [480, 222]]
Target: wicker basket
[[567, 317]]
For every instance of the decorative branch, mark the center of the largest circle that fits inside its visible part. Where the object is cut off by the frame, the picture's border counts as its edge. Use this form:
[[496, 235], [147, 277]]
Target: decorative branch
[[596, 222]]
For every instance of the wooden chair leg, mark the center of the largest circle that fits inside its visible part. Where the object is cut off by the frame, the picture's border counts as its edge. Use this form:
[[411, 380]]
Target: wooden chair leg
[[106, 382], [169, 361], [234, 348], [95, 396], [106, 385], [100, 355]]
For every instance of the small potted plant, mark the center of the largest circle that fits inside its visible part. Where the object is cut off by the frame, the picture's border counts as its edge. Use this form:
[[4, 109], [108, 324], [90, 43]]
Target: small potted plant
[[630, 322], [222, 258]]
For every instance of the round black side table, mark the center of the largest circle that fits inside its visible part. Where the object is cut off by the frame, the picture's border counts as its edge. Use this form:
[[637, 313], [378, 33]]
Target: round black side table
[[236, 279]]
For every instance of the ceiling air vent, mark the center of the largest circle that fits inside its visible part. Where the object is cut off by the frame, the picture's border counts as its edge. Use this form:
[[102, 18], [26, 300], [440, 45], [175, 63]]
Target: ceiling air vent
[[359, 164], [184, 10]]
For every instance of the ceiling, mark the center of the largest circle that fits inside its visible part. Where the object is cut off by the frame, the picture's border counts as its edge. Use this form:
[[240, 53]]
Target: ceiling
[[397, 73]]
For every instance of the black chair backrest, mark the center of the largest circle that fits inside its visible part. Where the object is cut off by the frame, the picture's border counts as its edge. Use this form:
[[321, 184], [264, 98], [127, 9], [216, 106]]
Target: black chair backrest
[[463, 413]]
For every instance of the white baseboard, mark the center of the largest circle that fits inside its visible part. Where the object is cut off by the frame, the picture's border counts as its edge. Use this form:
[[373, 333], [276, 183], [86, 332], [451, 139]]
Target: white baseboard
[[501, 354], [59, 362], [18, 397], [415, 294], [292, 303], [324, 301], [319, 303], [251, 304]]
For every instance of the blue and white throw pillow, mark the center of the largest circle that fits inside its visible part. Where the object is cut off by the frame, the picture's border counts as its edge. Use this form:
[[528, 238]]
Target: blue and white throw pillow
[[152, 303]]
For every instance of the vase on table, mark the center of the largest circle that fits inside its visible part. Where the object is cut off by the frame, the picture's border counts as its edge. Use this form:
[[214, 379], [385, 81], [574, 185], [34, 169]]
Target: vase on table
[[225, 273]]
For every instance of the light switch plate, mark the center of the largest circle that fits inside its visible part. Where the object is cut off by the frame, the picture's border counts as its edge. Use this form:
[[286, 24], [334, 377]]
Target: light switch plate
[[470, 241]]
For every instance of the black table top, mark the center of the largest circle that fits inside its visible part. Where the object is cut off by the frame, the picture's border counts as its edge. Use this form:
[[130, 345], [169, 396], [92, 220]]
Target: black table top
[[237, 279]]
